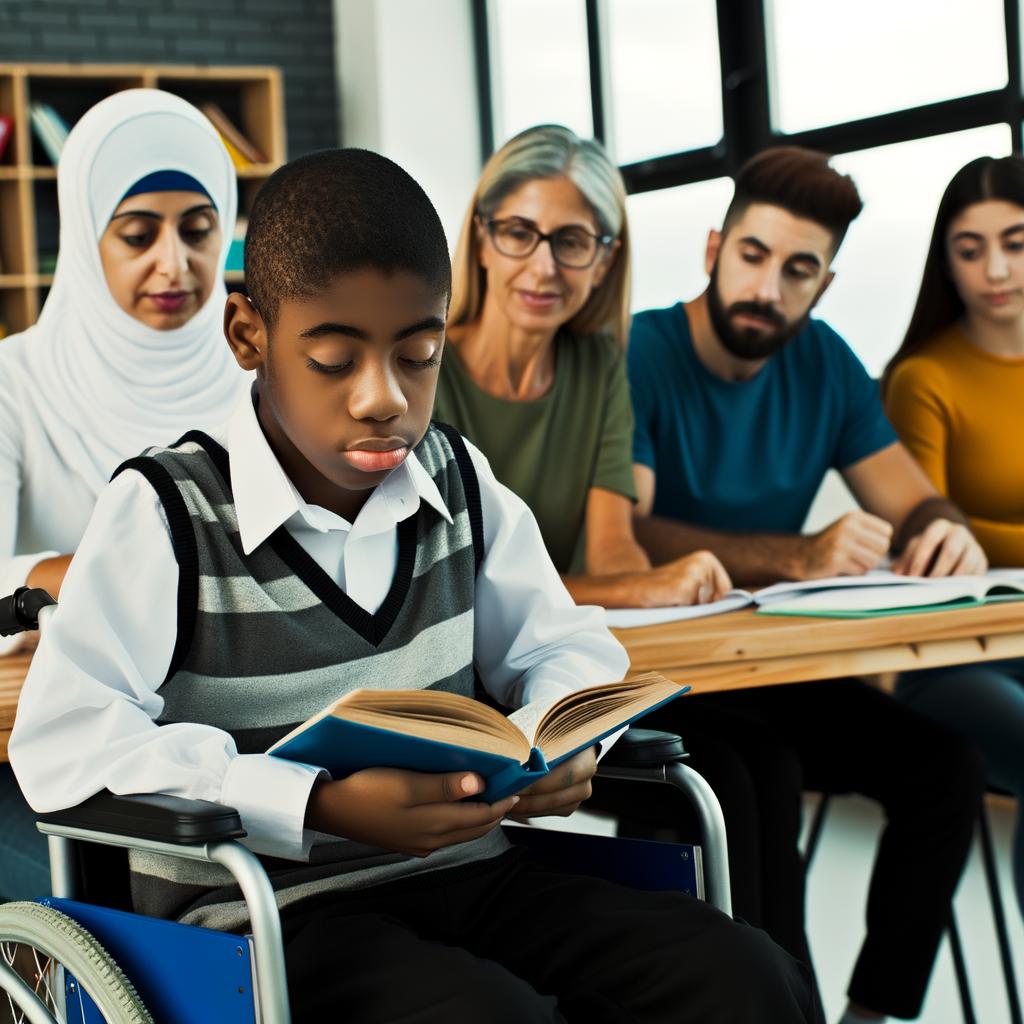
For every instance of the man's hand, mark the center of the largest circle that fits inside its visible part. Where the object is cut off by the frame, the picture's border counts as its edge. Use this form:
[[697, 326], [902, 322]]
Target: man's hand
[[693, 579], [851, 546], [942, 548], [562, 790], [411, 812]]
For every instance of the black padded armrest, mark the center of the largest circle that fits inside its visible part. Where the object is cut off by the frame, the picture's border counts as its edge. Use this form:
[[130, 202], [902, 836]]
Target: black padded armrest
[[164, 819], [644, 748]]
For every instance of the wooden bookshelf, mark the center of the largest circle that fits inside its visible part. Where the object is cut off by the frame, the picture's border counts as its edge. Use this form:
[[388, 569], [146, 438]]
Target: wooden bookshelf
[[251, 97]]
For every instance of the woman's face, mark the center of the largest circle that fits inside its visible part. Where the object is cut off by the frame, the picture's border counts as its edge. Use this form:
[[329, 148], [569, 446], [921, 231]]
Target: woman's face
[[536, 293], [985, 249], [161, 256]]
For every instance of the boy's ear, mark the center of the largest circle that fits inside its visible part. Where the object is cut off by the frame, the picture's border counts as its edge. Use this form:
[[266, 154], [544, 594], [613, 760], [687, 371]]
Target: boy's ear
[[245, 331]]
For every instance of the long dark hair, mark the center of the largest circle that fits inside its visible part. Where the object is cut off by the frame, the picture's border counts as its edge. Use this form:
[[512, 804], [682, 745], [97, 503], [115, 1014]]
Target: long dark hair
[[938, 302]]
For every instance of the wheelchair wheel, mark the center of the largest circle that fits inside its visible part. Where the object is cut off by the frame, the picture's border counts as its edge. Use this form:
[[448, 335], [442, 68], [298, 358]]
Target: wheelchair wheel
[[62, 963]]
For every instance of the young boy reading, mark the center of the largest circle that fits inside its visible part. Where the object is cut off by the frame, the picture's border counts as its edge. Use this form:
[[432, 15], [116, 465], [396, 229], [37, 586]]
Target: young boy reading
[[331, 539]]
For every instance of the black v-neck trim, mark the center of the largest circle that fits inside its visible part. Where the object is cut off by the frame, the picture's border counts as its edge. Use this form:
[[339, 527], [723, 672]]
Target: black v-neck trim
[[373, 628]]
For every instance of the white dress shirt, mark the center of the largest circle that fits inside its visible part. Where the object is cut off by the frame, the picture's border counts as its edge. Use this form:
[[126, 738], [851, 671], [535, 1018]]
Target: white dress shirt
[[85, 720]]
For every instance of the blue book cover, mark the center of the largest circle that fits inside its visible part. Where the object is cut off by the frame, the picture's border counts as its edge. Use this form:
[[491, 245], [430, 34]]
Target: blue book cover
[[434, 731]]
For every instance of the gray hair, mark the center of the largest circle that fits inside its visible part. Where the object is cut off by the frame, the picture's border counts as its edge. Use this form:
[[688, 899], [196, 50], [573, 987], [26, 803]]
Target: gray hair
[[549, 151]]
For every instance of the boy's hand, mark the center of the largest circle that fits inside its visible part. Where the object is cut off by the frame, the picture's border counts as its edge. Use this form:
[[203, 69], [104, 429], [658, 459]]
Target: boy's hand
[[411, 812], [561, 791]]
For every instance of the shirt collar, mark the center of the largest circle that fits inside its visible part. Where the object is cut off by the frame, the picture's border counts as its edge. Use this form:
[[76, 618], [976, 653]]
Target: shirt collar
[[265, 497]]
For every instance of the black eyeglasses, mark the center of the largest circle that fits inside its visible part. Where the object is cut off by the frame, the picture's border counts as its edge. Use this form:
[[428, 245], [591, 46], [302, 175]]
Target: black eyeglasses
[[571, 246]]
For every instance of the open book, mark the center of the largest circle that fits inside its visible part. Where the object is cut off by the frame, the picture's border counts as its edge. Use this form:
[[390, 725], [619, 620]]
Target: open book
[[874, 593], [912, 594], [628, 618], [435, 731]]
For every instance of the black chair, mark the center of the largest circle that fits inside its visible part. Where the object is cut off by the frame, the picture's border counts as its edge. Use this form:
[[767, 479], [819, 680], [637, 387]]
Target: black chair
[[956, 947]]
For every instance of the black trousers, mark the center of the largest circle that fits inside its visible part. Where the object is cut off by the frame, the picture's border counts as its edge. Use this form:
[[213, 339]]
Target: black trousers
[[759, 749], [509, 941]]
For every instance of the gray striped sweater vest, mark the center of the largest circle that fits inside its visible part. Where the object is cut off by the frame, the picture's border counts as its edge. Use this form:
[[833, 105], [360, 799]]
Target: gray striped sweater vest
[[267, 639]]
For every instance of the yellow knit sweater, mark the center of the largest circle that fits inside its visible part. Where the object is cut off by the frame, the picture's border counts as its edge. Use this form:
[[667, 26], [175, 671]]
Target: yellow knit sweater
[[960, 411]]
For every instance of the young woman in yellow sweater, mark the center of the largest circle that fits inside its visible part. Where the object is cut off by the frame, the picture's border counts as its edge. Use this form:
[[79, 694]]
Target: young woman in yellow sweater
[[955, 393]]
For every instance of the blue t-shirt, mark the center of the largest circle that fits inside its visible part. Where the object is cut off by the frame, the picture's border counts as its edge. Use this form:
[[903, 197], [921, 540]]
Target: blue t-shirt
[[747, 455]]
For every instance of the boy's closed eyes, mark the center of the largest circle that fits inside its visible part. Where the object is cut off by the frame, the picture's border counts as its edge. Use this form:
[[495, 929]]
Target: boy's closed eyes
[[346, 379]]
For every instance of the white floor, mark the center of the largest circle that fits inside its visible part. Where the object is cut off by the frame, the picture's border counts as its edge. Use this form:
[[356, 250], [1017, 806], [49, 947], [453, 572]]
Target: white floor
[[837, 893]]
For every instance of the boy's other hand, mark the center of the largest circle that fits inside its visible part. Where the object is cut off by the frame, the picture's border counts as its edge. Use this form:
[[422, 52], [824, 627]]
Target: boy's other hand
[[411, 812], [562, 790], [851, 546]]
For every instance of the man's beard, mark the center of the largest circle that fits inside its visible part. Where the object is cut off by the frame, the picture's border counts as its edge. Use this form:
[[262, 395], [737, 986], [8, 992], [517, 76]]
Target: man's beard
[[749, 342]]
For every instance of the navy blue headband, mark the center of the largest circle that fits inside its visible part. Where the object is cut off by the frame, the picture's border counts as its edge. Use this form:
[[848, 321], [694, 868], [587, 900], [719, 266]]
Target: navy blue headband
[[167, 181]]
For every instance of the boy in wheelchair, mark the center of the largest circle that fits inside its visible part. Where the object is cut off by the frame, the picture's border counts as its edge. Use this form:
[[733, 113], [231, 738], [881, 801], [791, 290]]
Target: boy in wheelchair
[[334, 538]]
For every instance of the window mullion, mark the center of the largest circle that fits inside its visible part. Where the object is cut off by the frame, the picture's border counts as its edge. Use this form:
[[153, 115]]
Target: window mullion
[[742, 46]]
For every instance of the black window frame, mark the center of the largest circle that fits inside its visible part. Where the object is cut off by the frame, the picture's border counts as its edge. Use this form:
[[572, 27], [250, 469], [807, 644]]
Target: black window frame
[[746, 115]]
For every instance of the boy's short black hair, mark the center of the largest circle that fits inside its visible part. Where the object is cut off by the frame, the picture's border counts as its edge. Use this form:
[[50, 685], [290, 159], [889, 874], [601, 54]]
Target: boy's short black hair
[[802, 182], [336, 211]]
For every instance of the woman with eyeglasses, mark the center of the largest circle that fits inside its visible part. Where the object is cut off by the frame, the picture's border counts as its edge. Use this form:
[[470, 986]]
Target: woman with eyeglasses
[[534, 373]]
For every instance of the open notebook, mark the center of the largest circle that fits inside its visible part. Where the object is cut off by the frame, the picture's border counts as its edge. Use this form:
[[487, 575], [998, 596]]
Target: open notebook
[[914, 595], [875, 593]]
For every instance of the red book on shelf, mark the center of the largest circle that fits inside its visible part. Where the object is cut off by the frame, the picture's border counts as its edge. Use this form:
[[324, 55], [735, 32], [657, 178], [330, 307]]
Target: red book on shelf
[[6, 131]]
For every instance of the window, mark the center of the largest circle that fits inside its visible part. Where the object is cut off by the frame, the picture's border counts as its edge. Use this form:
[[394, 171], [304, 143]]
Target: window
[[664, 82], [540, 69], [833, 61], [878, 269], [668, 230], [904, 91]]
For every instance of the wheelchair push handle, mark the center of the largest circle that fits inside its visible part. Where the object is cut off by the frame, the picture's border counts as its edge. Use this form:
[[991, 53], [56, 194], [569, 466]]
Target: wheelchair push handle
[[20, 611]]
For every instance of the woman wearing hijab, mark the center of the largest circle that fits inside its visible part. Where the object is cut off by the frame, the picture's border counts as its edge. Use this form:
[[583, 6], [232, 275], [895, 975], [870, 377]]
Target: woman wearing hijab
[[127, 353]]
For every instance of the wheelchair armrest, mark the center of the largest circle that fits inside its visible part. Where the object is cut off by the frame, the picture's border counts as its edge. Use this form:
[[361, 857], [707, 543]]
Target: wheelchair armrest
[[644, 748], [152, 816]]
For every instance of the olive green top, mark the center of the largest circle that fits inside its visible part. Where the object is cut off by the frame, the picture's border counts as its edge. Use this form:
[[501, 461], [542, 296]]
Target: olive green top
[[553, 449]]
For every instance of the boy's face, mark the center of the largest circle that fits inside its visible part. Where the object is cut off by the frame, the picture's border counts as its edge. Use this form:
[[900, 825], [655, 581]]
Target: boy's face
[[347, 380]]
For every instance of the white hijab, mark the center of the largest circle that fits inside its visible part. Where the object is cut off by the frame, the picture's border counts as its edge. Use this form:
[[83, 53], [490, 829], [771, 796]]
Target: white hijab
[[110, 384]]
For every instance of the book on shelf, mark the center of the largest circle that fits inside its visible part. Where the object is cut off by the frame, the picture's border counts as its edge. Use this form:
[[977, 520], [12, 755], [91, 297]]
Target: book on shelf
[[6, 132], [50, 129], [435, 731], [875, 593], [243, 151], [236, 250]]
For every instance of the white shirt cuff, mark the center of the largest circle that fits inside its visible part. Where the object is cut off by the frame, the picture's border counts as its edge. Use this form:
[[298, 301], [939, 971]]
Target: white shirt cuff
[[270, 795], [14, 575]]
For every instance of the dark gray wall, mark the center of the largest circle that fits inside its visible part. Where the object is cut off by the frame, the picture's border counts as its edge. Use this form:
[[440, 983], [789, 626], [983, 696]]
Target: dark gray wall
[[295, 35]]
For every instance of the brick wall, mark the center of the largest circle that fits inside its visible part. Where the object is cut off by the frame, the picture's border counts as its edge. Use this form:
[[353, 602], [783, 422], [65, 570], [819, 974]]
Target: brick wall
[[295, 35]]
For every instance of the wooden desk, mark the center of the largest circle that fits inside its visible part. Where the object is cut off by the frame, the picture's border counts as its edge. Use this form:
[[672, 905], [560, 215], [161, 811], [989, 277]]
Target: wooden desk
[[12, 675], [743, 649]]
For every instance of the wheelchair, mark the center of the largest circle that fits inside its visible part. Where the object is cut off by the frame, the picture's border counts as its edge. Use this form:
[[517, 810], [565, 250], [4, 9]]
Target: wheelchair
[[83, 955]]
